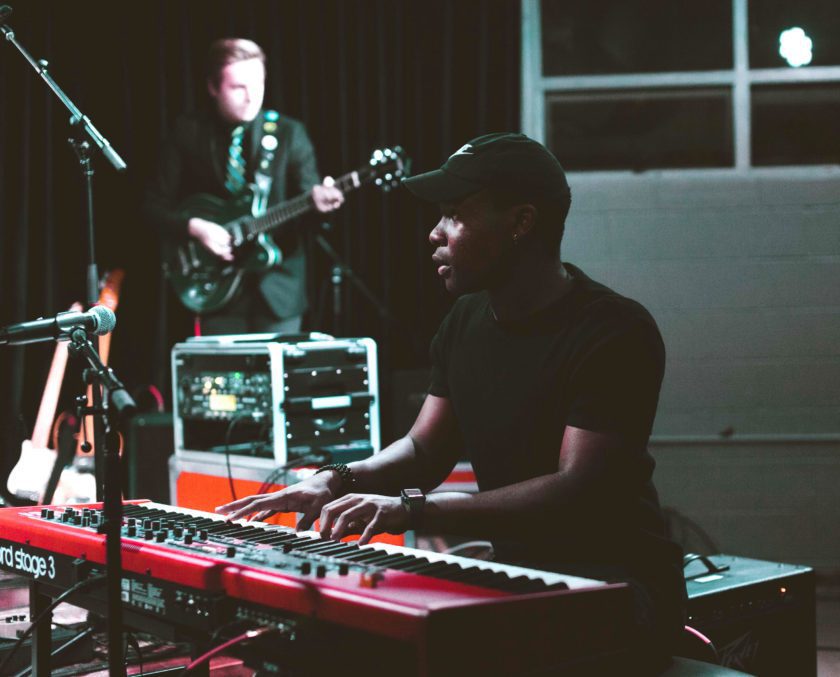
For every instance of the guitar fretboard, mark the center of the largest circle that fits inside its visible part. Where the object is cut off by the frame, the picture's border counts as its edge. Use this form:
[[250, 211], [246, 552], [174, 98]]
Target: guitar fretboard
[[302, 204]]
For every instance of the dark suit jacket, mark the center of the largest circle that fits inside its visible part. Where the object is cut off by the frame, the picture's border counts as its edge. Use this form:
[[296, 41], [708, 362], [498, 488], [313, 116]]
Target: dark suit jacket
[[194, 160]]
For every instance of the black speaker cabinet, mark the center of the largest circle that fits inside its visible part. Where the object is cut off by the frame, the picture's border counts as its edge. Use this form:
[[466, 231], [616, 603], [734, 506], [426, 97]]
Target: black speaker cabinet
[[149, 442], [760, 615]]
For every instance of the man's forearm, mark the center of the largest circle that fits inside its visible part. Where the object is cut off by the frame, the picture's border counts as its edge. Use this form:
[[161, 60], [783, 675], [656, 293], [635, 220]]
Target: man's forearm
[[500, 512], [400, 465], [388, 471]]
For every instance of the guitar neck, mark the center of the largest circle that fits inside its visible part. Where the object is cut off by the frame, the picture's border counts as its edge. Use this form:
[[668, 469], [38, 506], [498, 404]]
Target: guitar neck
[[52, 389], [302, 204], [49, 400]]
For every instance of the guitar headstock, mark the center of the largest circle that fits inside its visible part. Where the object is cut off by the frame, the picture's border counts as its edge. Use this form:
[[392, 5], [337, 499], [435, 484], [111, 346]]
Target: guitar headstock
[[109, 295], [389, 166]]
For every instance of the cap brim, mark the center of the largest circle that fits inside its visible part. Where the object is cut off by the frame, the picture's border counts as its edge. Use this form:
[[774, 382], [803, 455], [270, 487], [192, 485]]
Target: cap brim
[[441, 186]]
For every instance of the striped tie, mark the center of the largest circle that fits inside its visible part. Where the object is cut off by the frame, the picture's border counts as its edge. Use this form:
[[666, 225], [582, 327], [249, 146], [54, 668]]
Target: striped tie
[[235, 179]]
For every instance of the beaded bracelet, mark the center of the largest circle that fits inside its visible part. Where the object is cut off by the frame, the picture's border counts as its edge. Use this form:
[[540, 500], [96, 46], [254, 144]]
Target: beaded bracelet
[[348, 479]]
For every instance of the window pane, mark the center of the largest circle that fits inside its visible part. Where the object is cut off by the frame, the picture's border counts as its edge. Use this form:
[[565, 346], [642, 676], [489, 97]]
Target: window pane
[[820, 19], [635, 36], [641, 130], [796, 124]]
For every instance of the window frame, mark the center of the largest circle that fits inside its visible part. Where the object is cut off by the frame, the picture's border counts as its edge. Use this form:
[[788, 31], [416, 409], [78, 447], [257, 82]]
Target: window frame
[[536, 87]]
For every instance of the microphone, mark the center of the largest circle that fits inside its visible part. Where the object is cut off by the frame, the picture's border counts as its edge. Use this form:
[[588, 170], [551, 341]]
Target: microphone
[[5, 13], [98, 320]]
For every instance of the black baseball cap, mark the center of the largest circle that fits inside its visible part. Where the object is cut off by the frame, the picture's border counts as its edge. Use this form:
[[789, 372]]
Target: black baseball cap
[[505, 161]]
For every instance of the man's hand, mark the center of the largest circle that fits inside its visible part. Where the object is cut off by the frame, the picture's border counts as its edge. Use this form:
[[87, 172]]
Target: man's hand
[[367, 514], [215, 238], [307, 497], [327, 197]]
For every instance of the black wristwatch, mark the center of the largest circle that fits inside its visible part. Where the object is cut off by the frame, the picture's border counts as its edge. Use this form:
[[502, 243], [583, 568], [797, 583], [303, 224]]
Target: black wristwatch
[[414, 501]]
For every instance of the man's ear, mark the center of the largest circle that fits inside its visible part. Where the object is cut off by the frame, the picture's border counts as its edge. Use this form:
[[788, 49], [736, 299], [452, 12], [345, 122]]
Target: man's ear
[[212, 89], [526, 217]]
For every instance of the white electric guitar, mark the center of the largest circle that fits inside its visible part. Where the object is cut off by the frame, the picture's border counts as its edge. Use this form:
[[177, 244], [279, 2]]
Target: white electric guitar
[[29, 477]]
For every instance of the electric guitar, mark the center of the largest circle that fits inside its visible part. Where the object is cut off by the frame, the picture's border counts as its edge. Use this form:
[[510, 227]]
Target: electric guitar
[[205, 283], [35, 474], [28, 478]]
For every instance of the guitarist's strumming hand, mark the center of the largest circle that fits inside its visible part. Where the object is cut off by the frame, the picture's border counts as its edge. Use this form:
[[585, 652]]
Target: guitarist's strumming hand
[[326, 196], [213, 236]]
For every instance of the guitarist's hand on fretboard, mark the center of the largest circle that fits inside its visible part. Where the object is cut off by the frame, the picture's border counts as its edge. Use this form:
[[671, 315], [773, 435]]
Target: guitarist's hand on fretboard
[[212, 236], [326, 196]]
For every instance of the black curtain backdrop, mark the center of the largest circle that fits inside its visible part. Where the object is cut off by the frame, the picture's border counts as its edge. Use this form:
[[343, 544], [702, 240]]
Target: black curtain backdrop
[[361, 74]]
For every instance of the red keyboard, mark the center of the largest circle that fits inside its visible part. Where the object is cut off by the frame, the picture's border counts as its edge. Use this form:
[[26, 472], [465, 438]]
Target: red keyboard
[[438, 603]]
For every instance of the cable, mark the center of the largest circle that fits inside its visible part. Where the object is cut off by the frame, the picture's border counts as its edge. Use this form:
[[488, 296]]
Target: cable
[[282, 470], [203, 658], [131, 639], [233, 421], [64, 647], [45, 613]]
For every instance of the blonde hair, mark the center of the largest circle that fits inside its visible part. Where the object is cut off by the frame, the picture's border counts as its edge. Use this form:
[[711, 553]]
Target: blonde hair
[[226, 51]]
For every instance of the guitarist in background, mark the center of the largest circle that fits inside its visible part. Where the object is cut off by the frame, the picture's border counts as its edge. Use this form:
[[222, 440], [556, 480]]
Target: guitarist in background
[[218, 152]]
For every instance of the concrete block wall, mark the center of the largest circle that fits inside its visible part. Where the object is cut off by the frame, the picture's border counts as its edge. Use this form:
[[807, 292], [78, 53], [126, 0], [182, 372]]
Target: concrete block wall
[[742, 273]]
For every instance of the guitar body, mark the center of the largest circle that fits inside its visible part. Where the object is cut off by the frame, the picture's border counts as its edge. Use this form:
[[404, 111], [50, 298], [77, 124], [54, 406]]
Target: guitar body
[[204, 282]]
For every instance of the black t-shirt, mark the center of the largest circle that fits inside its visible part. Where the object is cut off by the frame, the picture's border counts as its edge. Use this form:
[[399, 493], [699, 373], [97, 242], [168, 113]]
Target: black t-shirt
[[593, 360]]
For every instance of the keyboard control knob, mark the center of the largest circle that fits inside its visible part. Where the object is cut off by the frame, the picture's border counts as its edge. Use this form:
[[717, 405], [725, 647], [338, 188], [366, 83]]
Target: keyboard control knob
[[305, 568]]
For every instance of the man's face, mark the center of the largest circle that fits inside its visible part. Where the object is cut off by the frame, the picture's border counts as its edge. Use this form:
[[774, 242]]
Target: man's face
[[473, 241], [240, 90]]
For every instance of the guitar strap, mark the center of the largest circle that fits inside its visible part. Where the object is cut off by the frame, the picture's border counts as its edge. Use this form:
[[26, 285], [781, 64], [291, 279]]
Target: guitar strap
[[263, 175]]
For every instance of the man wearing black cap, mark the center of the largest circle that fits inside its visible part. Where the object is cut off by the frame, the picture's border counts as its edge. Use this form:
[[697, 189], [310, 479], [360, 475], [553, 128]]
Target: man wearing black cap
[[545, 379]]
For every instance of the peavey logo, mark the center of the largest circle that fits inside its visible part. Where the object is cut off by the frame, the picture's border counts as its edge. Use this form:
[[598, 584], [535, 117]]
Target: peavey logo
[[20, 560]]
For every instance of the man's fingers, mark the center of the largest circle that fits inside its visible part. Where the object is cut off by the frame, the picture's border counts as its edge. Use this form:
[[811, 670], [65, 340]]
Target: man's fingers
[[306, 520], [371, 530], [357, 514], [235, 505], [256, 505]]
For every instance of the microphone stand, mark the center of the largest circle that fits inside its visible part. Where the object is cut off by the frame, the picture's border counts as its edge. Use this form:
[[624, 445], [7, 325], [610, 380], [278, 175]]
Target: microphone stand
[[340, 271], [83, 130], [107, 387], [106, 443]]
